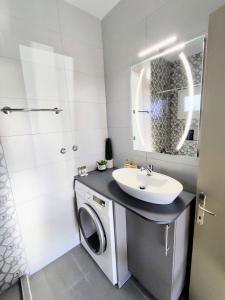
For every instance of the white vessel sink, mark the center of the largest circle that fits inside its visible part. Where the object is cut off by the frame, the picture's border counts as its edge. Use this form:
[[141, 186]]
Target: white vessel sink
[[157, 188]]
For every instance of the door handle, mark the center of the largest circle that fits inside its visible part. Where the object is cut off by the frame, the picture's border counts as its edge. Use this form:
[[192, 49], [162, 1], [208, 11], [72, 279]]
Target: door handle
[[202, 200], [207, 211], [202, 209]]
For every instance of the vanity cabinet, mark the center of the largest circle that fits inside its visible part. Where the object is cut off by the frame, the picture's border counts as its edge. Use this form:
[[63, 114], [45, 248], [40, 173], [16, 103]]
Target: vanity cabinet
[[157, 236], [157, 254]]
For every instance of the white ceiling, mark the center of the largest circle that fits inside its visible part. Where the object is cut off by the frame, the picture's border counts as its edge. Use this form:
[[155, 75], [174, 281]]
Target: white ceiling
[[97, 8]]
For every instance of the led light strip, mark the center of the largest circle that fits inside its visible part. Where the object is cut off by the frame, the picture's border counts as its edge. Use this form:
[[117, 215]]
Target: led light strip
[[187, 68], [168, 51], [158, 46], [136, 106]]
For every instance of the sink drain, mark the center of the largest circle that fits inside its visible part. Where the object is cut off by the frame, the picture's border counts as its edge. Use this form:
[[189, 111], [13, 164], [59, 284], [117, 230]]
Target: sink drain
[[142, 187]]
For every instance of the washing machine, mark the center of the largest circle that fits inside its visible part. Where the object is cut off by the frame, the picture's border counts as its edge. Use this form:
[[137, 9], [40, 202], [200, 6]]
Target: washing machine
[[96, 225]]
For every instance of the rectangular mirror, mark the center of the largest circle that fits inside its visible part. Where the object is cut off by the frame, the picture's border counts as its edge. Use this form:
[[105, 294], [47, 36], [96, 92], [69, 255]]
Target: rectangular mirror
[[166, 100]]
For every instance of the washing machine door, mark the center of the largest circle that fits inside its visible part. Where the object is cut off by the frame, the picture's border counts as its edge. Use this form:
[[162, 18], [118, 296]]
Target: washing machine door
[[92, 229]]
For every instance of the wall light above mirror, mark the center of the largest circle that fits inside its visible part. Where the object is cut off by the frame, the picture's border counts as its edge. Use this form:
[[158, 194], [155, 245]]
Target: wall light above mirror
[[166, 99], [157, 47]]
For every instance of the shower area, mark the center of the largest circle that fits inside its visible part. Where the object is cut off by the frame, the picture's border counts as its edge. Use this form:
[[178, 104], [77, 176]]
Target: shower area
[[52, 112]]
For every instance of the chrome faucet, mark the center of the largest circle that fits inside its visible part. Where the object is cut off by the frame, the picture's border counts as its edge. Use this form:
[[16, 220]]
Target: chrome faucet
[[148, 168]]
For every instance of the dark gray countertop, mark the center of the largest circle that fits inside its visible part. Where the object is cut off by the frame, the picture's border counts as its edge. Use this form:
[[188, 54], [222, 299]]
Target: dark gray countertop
[[104, 184]]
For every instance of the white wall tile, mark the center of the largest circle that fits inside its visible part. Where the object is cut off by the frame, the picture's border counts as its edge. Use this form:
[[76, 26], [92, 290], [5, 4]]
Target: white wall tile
[[91, 142], [48, 209], [52, 219], [37, 150], [119, 114], [82, 87], [121, 139], [86, 115], [186, 19], [78, 24], [122, 145], [44, 82], [16, 123], [42, 12], [49, 121], [39, 260], [42, 54], [43, 180], [124, 17], [16, 33], [30, 151], [20, 123], [12, 83], [120, 55], [118, 86], [86, 58]]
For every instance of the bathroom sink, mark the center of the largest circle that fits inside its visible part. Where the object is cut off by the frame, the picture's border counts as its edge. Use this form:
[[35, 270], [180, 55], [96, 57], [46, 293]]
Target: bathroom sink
[[156, 188]]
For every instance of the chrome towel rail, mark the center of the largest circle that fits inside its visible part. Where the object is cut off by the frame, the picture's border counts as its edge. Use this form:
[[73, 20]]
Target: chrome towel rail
[[7, 110]]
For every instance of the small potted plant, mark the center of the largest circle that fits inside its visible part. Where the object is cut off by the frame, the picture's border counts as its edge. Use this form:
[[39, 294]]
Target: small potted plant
[[101, 165], [109, 153]]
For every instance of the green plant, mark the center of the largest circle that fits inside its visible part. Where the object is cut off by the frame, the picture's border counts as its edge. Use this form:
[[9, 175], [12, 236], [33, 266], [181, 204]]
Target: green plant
[[108, 149], [102, 162]]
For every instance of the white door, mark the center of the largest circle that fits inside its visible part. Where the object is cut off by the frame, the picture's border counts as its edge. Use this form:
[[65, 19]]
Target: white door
[[208, 264]]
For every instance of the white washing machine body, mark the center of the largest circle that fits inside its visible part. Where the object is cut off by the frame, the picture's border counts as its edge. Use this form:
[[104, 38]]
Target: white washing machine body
[[96, 225]]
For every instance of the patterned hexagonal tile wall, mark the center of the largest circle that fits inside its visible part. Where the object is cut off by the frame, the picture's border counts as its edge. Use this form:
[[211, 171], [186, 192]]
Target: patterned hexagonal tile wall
[[12, 256], [167, 128]]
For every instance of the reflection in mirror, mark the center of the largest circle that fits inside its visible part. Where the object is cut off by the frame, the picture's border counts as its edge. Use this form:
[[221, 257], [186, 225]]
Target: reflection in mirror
[[166, 100]]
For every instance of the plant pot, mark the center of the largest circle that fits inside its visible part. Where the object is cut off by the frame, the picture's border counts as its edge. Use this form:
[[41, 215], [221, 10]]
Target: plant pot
[[101, 167], [110, 164]]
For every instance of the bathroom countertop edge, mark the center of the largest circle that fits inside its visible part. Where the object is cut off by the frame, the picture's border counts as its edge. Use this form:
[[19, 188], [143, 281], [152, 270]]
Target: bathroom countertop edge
[[104, 184]]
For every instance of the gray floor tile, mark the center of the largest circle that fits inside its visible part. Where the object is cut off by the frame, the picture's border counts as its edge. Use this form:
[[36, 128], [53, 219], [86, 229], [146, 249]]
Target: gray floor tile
[[12, 294], [56, 279], [83, 259], [82, 291], [75, 276], [130, 291], [40, 288], [100, 284], [141, 289], [64, 273]]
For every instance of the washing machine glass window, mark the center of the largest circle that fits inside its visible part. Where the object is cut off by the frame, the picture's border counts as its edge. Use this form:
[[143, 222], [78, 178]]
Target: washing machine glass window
[[91, 228]]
